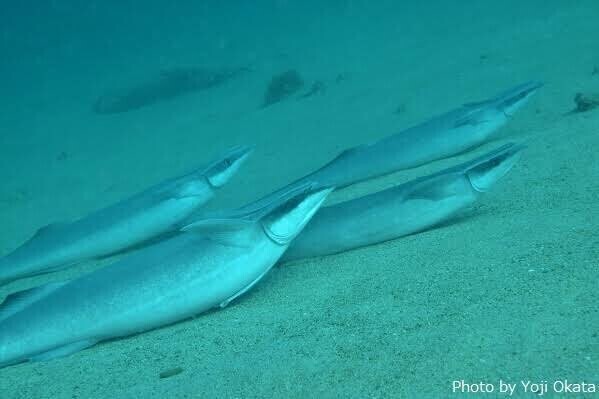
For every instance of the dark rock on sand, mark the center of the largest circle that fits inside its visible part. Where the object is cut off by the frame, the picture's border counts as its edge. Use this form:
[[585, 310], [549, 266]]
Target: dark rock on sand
[[585, 102], [282, 86]]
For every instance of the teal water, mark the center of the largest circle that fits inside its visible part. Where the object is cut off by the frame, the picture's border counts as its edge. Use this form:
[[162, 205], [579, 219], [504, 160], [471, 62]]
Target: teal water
[[507, 293]]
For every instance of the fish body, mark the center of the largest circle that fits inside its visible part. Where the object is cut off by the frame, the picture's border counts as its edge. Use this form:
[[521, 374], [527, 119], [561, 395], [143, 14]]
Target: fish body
[[206, 266], [405, 209], [127, 223], [442, 136]]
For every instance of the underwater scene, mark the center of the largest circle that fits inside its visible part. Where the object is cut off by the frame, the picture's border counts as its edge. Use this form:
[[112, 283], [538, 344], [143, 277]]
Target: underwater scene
[[299, 199]]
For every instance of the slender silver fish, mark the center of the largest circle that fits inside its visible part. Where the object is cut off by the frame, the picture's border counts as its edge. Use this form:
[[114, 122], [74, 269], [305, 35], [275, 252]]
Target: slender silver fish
[[441, 137], [405, 209], [132, 221], [210, 264]]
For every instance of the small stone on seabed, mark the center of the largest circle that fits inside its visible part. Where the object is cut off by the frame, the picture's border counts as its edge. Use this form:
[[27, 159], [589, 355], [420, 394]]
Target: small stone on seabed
[[171, 372]]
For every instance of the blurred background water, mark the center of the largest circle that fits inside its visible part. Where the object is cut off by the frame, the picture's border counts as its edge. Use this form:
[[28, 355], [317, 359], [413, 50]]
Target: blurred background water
[[399, 320]]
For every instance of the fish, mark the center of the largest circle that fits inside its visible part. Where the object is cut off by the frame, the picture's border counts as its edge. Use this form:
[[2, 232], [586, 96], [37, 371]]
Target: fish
[[171, 83], [404, 209], [208, 265], [442, 136], [130, 222]]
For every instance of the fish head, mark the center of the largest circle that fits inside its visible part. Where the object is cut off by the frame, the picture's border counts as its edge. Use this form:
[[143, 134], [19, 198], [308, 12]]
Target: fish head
[[487, 170], [513, 99], [283, 222], [220, 172], [485, 117]]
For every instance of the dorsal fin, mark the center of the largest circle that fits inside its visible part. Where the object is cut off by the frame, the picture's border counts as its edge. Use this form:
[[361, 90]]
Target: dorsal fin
[[273, 201], [348, 153], [19, 300], [48, 229]]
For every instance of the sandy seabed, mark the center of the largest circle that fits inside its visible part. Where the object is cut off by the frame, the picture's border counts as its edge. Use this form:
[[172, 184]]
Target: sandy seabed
[[506, 292]]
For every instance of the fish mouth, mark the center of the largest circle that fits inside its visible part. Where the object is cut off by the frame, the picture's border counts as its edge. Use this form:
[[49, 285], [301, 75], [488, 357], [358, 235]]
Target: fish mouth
[[511, 100], [486, 170], [237, 154], [284, 221], [219, 172]]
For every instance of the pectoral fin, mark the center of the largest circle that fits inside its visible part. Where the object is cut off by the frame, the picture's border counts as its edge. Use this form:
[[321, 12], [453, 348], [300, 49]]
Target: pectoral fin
[[231, 232], [466, 120], [471, 115], [434, 190], [244, 290], [48, 229]]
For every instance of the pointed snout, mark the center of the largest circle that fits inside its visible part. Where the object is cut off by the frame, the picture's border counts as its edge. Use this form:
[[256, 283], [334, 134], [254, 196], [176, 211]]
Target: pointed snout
[[221, 171], [236, 156], [239, 153], [485, 171], [287, 220], [511, 100]]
